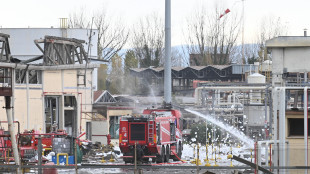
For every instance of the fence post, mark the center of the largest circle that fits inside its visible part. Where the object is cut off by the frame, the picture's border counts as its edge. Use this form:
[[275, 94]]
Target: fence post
[[136, 171], [75, 156], [40, 155]]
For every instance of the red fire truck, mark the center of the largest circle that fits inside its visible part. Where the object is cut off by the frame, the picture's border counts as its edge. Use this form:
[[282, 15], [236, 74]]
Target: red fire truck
[[157, 134]]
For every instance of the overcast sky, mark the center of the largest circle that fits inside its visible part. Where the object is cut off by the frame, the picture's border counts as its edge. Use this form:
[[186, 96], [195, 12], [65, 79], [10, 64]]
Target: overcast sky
[[39, 13]]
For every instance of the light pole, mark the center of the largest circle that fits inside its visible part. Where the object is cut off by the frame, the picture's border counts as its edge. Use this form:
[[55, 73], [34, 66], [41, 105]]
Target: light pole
[[167, 79]]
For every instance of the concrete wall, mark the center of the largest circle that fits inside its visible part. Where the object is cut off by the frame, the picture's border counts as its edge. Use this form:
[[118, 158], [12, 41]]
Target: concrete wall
[[290, 54]]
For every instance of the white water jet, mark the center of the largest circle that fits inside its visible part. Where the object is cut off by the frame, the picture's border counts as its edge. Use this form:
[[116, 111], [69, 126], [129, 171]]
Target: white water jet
[[230, 129], [153, 95]]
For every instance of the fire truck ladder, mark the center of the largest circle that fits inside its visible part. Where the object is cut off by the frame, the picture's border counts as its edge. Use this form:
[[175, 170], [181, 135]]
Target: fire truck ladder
[[151, 133]]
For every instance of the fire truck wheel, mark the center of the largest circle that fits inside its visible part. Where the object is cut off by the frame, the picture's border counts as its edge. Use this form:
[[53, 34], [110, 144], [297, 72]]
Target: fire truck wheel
[[167, 157], [180, 148], [161, 158], [127, 160], [179, 153]]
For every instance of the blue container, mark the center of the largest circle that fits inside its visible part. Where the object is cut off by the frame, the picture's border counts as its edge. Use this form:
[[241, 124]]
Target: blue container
[[62, 159], [71, 160]]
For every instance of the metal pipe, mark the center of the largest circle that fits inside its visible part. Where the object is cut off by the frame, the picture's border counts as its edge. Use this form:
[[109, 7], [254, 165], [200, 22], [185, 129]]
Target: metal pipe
[[225, 88], [54, 67], [306, 126], [11, 127], [167, 80], [265, 101]]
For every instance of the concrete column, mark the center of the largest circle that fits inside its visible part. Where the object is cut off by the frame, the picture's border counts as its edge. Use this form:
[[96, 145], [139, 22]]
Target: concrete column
[[282, 131], [27, 100], [275, 126]]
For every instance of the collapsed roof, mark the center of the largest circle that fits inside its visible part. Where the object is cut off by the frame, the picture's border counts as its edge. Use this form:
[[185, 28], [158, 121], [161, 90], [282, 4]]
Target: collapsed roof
[[55, 51]]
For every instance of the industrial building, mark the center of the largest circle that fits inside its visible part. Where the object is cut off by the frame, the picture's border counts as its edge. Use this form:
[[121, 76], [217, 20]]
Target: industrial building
[[290, 84], [183, 77]]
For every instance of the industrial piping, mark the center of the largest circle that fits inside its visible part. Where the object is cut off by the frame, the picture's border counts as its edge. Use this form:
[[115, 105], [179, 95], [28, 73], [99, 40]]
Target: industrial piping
[[225, 88]]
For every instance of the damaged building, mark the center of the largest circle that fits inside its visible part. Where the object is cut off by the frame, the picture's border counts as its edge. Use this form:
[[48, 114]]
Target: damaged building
[[53, 89]]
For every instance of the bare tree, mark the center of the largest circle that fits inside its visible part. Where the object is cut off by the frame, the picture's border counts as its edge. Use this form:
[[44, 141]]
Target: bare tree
[[177, 58], [78, 19], [211, 37], [270, 27], [148, 40], [111, 36]]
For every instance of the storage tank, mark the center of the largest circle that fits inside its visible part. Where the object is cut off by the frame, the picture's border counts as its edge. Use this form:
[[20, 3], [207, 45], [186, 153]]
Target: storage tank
[[256, 95], [256, 78]]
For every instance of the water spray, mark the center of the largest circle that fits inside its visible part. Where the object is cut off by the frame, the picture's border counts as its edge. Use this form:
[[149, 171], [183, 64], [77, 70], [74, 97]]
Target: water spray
[[233, 131], [207, 159], [215, 158], [212, 159], [198, 162], [230, 156], [219, 143], [194, 160]]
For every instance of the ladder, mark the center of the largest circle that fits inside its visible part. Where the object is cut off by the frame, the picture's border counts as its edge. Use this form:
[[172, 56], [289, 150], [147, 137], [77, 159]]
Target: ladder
[[151, 131]]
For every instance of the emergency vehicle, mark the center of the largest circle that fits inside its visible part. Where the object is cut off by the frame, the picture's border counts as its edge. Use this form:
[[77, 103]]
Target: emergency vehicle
[[157, 134]]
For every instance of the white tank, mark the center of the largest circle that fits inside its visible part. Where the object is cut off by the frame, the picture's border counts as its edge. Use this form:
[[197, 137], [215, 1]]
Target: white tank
[[256, 95], [256, 78]]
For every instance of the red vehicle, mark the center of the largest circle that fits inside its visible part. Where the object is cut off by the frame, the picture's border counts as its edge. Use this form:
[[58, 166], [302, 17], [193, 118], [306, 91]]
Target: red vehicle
[[157, 134]]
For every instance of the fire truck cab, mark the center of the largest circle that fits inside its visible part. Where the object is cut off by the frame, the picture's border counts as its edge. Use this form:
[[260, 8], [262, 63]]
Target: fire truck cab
[[157, 134]]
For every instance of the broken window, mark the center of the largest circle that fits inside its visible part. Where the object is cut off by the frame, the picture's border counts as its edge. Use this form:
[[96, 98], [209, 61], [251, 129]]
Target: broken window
[[295, 99], [51, 114], [88, 130], [114, 126], [35, 76], [296, 127], [5, 81], [20, 76], [70, 112], [70, 101]]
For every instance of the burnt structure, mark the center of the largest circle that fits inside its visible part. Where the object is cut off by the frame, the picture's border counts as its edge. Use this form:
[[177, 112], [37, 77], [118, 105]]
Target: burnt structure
[[61, 51], [5, 52], [183, 77]]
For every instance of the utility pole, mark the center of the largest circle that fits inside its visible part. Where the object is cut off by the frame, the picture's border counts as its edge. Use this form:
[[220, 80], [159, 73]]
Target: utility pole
[[243, 57], [167, 79]]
